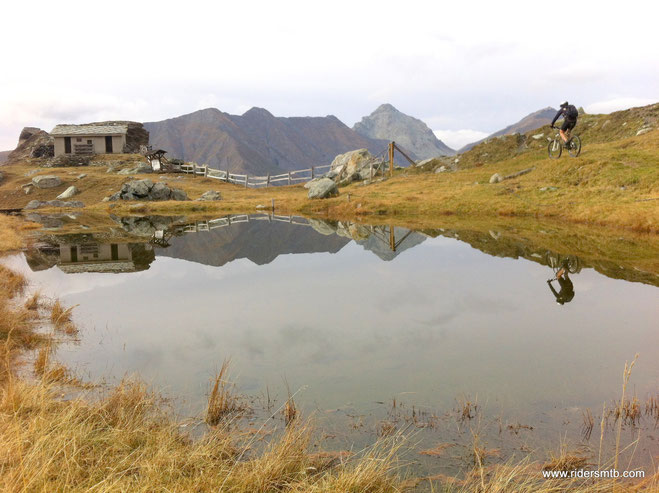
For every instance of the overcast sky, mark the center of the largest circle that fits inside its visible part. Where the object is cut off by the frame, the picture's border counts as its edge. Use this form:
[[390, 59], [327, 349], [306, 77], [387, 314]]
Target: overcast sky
[[465, 68]]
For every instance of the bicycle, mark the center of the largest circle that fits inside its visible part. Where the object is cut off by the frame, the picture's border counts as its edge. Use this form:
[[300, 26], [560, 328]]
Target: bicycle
[[555, 147], [571, 263]]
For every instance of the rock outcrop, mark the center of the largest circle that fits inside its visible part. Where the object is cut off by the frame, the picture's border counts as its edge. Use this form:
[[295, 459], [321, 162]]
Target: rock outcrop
[[32, 143], [147, 190]]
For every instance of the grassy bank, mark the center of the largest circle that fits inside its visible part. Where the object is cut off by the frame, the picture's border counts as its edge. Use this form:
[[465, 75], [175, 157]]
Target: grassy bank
[[613, 184]]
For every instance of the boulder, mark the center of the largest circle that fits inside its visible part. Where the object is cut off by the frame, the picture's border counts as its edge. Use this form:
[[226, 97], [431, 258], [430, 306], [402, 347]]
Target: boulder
[[46, 181], [81, 176], [160, 191], [37, 204], [210, 195], [323, 188], [644, 130], [496, 178], [353, 165], [68, 193], [441, 169], [138, 188]]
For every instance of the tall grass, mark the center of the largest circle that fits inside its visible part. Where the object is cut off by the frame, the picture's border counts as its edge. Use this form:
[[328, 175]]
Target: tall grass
[[222, 400]]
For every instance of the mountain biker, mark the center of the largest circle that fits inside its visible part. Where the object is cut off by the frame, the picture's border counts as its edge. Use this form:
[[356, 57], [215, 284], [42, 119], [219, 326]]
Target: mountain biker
[[570, 115]]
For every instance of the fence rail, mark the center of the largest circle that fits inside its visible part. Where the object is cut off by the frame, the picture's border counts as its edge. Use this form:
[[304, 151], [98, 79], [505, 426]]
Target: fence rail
[[289, 177]]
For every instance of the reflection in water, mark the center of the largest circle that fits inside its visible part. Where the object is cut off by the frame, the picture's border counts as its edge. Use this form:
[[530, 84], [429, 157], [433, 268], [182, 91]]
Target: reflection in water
[[427, 325], [563, 267]]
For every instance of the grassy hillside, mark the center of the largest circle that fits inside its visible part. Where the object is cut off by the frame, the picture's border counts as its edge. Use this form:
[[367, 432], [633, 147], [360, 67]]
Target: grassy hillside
[[614, 183]]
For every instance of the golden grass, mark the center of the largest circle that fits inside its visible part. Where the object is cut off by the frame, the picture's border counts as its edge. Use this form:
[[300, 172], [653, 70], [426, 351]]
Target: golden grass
[[61, 318], [613, 184], [125, 442], [222, 401]]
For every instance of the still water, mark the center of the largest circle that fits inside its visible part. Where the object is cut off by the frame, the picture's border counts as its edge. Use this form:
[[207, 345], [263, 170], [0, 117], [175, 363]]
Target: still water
[[353, 318]]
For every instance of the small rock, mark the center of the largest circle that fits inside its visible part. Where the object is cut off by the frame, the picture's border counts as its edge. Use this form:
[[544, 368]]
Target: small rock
[[441, 169], [68, 193], [211, 195], [643, 130], [81, 176], [46, 181], [496, 178], [32, 172], [27, 190], [457, 160], [178, 194], [548, 189], [261, 207], [538, 136]]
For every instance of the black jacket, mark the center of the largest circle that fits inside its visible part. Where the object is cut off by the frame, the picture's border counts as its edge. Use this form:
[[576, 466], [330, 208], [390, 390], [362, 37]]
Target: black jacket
[[564, 112]]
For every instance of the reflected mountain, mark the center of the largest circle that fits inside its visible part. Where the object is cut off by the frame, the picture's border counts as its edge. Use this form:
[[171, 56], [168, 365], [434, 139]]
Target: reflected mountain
[[261, 238]]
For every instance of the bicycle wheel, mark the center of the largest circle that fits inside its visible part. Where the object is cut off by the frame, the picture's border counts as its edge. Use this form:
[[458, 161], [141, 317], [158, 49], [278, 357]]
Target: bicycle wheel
[[575, 146], [573, 264], [555, 148]]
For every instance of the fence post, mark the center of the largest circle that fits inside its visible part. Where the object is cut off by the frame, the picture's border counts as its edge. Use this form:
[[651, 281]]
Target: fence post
[[371, 171], [206, 171], [391, 158], [312, 172], [289, 177], [246, 178], [267, 183], [226, 176]]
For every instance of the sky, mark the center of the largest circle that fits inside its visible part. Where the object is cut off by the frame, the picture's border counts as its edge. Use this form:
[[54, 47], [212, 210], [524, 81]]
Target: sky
[[465, 68]]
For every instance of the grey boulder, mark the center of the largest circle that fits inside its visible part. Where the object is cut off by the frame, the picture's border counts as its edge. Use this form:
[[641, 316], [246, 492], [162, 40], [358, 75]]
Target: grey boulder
[[37, 204], [46, 181], [322, 189]]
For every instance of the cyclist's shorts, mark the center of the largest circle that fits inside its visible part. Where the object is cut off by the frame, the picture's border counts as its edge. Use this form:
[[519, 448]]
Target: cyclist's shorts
[[568, 125]]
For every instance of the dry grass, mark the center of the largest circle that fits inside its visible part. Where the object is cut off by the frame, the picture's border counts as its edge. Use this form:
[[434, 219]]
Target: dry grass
[[614, 183], [222, 401], [125, 442]]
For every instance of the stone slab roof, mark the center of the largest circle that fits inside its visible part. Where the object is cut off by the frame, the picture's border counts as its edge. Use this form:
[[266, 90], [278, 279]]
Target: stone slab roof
[[87, 130]]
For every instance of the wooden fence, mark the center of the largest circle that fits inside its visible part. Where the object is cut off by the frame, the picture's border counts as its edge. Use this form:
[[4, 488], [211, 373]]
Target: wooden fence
[[222, 222], [288, 178]]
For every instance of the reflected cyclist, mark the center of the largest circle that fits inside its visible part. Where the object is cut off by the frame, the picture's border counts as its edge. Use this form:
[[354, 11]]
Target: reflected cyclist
[[566, 293]]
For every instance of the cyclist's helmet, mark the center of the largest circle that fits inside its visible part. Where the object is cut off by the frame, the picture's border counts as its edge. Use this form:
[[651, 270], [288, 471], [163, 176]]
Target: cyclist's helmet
[[564, 104]]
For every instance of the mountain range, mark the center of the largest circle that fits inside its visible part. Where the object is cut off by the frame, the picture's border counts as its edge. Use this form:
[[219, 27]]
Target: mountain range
[[257, 142], [386, 122], [530, 122]]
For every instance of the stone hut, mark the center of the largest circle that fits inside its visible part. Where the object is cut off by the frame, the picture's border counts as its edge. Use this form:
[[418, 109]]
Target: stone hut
[[89, 139]]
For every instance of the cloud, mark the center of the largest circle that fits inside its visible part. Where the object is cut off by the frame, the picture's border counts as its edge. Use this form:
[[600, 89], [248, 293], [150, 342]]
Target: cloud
[[459, 138], [617, 104]]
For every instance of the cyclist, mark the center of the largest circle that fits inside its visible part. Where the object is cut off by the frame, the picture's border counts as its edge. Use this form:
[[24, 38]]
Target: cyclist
[[570, 115]]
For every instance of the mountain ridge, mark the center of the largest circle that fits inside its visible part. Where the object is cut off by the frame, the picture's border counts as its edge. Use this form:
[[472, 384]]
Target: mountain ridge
[[530, 122], [256, 142]]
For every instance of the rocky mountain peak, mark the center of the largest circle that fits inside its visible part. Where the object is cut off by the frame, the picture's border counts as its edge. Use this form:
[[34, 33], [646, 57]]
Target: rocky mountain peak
[[387, 122], [256, 112]]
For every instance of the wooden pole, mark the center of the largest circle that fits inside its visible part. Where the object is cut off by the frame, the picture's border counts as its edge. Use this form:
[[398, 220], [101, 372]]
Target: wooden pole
[[289, 177], [404, 155], [392, 238], [273, 205], [391, 158], [312, 172], [206, 171], [246, 178], [267, 183], [371, 171]]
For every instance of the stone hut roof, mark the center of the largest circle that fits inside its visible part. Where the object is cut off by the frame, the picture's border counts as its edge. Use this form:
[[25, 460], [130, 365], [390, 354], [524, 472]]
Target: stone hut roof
[[87, 130]]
